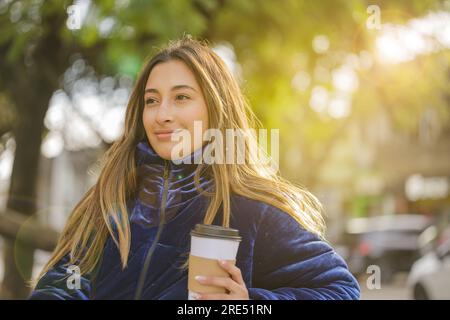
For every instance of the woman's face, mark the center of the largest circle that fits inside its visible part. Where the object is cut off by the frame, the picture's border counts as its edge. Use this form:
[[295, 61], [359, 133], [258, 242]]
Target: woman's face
[[172, 100]]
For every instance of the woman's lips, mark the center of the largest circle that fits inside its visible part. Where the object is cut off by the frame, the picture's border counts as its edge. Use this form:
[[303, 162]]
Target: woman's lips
[[163, 136]]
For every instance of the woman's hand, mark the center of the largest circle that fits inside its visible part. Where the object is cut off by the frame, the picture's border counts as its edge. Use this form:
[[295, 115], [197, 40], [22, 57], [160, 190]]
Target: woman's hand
[[235, 286]]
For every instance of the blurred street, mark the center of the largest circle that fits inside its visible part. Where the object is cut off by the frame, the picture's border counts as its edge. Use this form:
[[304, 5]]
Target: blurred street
[[396, 290]]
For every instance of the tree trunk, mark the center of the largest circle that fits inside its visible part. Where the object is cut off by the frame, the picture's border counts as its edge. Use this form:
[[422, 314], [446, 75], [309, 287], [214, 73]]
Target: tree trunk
[[18, 257], [31, 95]]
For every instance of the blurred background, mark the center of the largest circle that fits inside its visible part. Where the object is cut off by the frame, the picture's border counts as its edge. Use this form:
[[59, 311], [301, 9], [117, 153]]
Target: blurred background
[[359, 90]]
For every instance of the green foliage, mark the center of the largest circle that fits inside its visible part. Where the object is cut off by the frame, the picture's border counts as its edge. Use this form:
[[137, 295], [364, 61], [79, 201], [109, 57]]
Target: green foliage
[[272, 41]]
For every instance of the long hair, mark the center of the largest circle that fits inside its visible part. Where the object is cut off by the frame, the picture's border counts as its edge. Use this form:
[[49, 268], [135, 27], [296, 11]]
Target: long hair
[[91, 220]]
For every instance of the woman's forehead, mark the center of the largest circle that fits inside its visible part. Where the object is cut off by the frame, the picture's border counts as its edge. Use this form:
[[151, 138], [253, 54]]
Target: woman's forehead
[[171, 74]]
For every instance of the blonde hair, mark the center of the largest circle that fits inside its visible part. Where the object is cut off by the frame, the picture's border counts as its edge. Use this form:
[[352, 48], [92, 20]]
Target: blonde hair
[[90, 223]]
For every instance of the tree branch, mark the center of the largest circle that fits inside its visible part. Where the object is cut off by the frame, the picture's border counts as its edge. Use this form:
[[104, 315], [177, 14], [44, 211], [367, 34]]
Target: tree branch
[[15, 225]]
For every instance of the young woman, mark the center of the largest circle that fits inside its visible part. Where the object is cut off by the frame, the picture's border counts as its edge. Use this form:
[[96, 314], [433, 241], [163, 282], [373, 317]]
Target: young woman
[[129, 235]]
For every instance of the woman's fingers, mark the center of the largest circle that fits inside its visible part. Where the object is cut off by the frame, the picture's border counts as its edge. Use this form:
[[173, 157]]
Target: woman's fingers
[[217, 296], [235, 285], [234, 271], [224, 282]]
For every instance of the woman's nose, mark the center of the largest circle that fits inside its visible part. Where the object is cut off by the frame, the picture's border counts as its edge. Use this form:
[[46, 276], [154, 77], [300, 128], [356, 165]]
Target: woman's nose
[[165, 112]]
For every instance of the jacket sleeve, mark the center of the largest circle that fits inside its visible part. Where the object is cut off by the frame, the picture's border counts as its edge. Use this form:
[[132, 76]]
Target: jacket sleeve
[[57, 284], [291, 263]]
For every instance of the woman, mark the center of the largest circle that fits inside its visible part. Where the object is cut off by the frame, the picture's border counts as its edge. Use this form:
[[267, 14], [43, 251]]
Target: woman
[[129, 235]]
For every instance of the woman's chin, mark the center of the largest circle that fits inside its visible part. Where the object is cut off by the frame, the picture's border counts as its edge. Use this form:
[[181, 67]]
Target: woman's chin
[[172, 152], [166, 154]]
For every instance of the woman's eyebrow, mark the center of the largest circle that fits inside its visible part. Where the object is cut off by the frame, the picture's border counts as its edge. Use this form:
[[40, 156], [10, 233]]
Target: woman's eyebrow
[[182, 86], [177, 87]]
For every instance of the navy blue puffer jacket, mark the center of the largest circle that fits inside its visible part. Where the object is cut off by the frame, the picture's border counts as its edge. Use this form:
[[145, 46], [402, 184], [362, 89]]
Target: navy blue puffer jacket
[[278, 258]]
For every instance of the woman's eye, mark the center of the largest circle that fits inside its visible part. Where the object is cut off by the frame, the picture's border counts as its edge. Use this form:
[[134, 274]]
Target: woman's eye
[[150, 101], [182, 97]]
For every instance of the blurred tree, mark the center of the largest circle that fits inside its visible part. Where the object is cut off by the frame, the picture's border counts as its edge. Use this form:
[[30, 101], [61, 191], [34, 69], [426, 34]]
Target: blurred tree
[[29, 76], [284, 72]]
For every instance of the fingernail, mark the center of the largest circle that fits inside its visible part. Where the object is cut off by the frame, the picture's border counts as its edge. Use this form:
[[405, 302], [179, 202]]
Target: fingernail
[[200, 278], [196, 296], [223, 262]]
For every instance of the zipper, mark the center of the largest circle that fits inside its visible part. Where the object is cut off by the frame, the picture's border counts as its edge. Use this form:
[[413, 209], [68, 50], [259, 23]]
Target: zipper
[[144, 270]]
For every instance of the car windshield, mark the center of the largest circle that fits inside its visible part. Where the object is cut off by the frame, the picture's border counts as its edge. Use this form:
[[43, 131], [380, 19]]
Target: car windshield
[[399, 239]]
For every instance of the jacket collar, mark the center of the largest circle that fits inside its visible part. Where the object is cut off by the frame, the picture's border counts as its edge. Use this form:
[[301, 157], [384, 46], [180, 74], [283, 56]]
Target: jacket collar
[[178, 185]]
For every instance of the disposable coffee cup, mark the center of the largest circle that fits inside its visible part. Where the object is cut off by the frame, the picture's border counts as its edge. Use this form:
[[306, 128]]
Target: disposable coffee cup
[[210, 243]]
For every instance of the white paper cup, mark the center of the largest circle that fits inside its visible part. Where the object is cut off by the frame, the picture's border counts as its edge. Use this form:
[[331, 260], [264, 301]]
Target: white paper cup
[[210, 243]]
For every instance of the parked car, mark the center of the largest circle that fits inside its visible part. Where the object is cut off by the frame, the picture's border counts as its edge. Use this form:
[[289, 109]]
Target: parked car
[[430, 275], [389, 242]]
